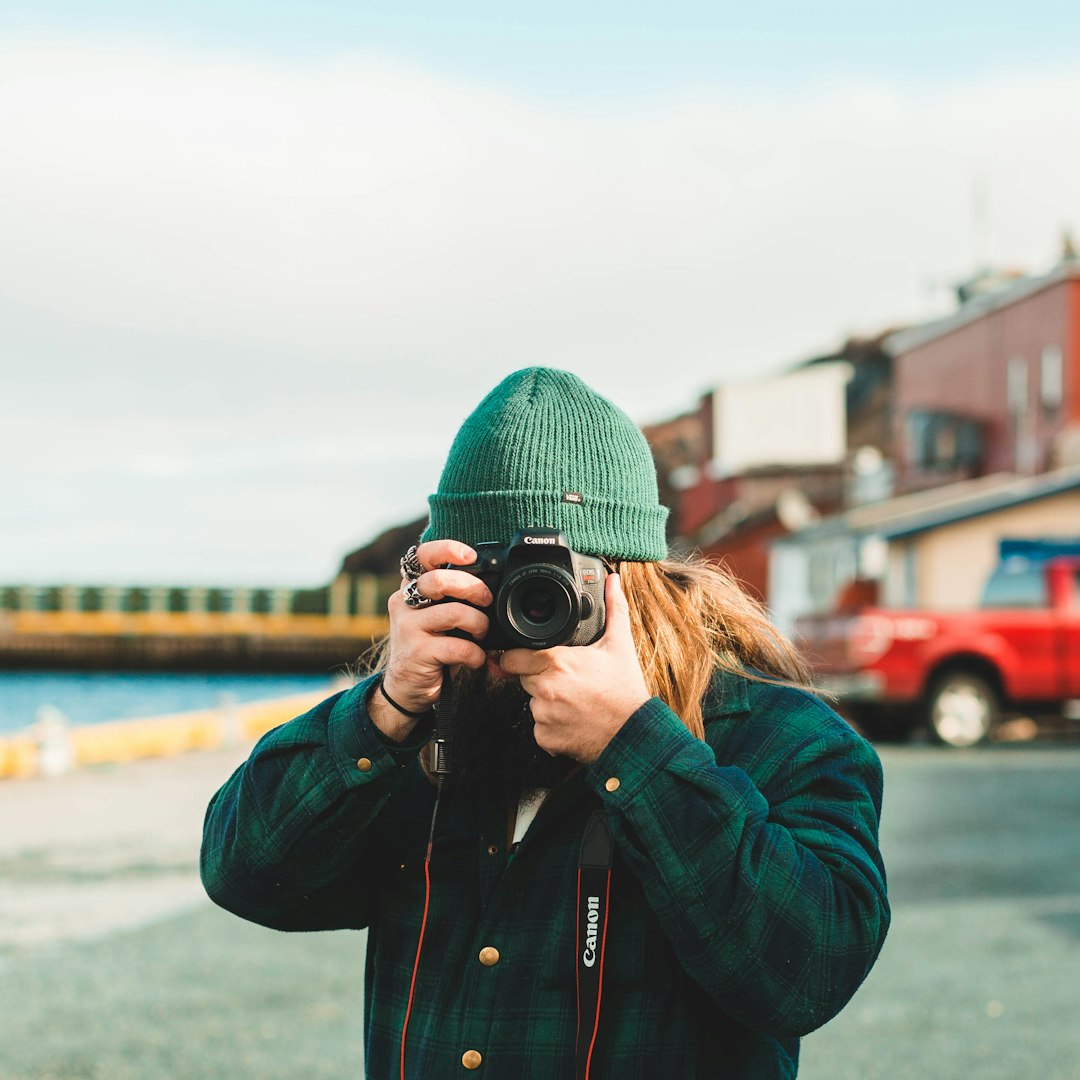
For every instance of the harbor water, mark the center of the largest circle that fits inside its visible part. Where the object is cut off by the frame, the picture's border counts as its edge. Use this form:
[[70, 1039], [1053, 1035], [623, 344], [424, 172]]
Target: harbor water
[[95, 697]]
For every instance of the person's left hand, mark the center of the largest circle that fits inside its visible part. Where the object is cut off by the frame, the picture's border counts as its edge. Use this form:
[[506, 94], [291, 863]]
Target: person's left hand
[[582, 694]]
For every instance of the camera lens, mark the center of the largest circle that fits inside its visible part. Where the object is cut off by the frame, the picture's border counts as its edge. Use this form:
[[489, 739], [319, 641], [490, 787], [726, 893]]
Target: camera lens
[[538, 607]]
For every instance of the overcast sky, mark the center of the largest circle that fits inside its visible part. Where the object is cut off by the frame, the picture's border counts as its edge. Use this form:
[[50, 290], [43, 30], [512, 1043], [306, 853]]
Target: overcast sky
[[257, 264]]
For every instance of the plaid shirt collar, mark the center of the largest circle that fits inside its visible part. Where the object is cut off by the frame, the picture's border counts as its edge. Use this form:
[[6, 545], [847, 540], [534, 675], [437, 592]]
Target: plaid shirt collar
[[728, 695]]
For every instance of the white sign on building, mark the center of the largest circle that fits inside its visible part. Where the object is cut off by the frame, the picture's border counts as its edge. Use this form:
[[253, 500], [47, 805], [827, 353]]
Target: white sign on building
[[794, 419]]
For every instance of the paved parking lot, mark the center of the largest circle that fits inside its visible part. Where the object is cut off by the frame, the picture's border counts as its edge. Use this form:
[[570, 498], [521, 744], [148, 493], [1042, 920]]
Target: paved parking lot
[[113, 966], [979, 975]]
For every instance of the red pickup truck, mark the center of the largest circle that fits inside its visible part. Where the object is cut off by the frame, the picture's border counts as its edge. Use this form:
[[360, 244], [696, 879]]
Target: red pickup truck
[[956, 672]]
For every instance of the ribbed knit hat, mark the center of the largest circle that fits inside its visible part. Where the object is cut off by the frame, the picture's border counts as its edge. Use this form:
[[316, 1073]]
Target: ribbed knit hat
[[543, 450]]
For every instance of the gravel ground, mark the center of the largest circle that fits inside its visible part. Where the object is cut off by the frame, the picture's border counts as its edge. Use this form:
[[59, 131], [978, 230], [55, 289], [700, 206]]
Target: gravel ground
[[113, 965]]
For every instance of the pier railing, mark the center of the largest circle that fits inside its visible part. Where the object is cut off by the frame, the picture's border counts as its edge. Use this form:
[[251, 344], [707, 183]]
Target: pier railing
[[193, 625], [347, 595]]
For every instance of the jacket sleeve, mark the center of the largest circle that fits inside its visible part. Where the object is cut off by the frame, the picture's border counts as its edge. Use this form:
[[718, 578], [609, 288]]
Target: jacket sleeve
[[771, 888], [287, 841]]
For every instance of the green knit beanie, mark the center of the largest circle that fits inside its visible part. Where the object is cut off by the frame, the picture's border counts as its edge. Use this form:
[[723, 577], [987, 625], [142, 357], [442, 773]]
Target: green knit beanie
[[542, 450]]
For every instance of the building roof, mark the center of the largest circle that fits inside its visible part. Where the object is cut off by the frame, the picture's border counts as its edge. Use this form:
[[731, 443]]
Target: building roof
[[978, 307], [921, 511]]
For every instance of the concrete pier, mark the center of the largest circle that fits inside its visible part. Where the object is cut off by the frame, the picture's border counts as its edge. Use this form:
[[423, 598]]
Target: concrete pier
[[193, 627]]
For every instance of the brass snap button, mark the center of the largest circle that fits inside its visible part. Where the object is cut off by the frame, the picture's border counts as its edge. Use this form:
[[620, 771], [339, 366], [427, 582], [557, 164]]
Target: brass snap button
[[489, 956], [364, 764], [612, 783], [471, 1059]]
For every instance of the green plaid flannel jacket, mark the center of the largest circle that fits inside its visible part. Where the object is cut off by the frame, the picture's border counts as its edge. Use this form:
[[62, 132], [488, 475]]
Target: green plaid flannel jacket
[[747, 899]]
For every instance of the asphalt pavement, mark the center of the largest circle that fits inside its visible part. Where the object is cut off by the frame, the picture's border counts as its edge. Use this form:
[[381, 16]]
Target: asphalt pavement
[[113, 965], [979, 975]]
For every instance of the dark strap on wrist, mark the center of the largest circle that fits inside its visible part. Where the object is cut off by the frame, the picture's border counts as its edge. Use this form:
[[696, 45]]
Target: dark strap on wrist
[[401, 709]]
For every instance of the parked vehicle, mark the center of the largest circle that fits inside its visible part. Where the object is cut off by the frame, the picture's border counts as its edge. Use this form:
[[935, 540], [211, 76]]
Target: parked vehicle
[[957, 672]]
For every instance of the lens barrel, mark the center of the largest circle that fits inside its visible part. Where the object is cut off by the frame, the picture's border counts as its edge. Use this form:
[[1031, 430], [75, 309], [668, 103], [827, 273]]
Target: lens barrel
[[539, 605]]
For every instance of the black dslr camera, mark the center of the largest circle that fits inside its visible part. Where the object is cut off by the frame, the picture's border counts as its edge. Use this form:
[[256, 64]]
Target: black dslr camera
[[545, 593]]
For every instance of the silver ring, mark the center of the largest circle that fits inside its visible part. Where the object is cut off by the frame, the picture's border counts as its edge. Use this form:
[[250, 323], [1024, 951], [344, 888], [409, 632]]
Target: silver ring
[[410, 565], [414, 598]]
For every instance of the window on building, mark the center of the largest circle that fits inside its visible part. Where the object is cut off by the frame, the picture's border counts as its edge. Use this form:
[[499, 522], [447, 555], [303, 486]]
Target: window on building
[[1018, 386], [918, 440], [969, 442], [1050, 378], [943, 441]]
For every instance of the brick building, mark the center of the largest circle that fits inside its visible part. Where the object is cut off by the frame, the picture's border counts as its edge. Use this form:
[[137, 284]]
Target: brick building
[[756, 461], [992, 388]]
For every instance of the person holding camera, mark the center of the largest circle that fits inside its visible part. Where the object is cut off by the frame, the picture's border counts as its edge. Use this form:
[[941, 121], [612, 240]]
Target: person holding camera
[[594, 821]]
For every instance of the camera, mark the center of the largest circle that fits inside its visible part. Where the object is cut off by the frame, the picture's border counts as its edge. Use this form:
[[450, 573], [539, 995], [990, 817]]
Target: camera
[[545, 593]]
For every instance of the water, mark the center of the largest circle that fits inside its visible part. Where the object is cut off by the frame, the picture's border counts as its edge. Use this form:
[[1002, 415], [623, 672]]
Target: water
[[94, 697]]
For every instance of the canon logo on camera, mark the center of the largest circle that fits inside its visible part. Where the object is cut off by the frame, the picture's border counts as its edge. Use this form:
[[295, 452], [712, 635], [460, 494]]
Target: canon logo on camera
[[540, 539]]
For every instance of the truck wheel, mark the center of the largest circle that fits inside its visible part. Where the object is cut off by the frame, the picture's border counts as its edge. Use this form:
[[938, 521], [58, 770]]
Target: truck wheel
[[961, 708]]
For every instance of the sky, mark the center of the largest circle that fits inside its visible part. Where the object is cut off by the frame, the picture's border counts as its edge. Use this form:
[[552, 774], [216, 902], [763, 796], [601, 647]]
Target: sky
[[258, 261]]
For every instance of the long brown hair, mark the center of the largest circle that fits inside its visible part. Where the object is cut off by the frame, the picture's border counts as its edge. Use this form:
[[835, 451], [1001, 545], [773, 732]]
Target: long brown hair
[[690, 617]]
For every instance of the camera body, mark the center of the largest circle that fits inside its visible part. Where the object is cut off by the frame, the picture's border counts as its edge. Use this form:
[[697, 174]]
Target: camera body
[[546, 594]]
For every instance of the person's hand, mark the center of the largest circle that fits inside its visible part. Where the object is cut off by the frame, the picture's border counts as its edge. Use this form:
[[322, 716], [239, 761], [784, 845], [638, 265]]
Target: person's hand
[[419, 644], [582, 694]]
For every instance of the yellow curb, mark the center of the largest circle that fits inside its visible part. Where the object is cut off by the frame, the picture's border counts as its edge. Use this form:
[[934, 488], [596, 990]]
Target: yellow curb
[[128, 740], [18, 756], [256, 718]]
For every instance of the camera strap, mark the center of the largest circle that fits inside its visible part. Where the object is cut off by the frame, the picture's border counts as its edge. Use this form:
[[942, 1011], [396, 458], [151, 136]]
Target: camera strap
[[440, 740], [441, 736], [593, 900]]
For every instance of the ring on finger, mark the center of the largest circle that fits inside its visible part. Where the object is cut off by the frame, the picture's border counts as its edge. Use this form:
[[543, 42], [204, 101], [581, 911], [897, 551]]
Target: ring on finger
[[414, 598], [411, 567]]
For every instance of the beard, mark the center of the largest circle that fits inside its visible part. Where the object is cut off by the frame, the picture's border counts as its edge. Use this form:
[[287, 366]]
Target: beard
[[493, 753]]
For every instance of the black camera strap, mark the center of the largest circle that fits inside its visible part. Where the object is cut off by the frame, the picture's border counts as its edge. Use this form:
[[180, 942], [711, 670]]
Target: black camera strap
[[440, 741], [593, 901], [441, 737]]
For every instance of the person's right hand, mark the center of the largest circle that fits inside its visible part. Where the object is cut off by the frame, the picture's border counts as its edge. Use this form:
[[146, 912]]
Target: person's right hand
[[419, 643]]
